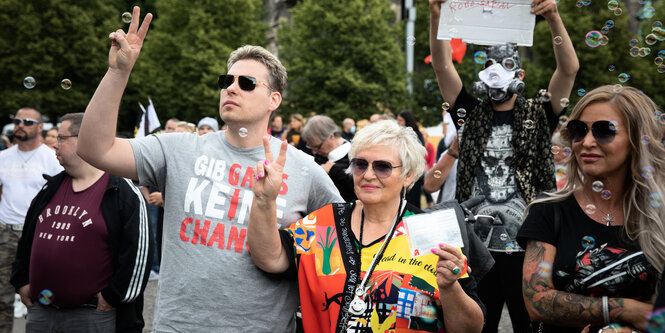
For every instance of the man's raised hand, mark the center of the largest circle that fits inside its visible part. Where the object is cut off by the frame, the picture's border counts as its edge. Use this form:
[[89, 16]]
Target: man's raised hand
[[268, 173], [126, 47]]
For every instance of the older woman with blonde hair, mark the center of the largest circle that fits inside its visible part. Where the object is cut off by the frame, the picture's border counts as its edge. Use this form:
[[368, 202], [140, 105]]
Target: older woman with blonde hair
[[595, 249], [352, 260]]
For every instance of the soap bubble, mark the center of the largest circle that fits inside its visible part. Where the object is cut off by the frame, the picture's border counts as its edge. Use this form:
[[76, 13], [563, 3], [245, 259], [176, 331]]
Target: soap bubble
[[623, 77], [612, 5], [588, 242], [545, 95], [590, 209], [633, 42], [657, 24], [609, 24], [46, 297], [66, 84], [460, 122], [650, 39], [634, 51], [564, 102], [597, 186], [567, 151], [661, 69], [610, 68], [437, 174], [461, 112], [555, 149], [655, 200], [649, 12], [411, 40], [242, 132], [618, 11], [659, 32], [529, 124], [304, 171], [644, 51], [613, 125], [579, 4], [445, 106], [603, 40], [544, 269], [503, 237], [604, 30], [645, 139], [606, 194], [127, 17], [592, 38], [658, 61], [480, 57], [29, 82], [581, 92], [656, 322], [558, 40], [510, 247]]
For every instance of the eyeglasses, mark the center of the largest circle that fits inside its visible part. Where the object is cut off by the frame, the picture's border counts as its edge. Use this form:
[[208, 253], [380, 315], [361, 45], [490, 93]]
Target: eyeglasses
[[317, 148], [382, 169], [603, 131], [245, 82], [507, 63], [60, 137], [26, 121]]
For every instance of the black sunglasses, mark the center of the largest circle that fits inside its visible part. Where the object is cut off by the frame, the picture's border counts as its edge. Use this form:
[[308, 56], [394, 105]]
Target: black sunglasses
[[603, 131], [25, 121], [245, 82], [382, 169]]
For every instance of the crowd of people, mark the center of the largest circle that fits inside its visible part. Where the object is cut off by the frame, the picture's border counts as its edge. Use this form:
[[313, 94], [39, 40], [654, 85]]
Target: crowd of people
[[262, 226]]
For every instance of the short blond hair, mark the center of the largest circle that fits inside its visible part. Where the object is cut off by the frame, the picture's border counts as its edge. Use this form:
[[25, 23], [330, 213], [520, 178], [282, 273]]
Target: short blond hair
[[276, 78], [403, 139]]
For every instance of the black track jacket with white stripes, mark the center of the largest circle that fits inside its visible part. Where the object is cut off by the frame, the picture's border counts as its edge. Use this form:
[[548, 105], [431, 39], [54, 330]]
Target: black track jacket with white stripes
[[130, 235]]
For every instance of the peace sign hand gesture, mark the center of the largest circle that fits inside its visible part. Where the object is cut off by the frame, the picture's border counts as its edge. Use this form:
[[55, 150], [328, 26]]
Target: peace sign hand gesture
[[268, 173], [125, 47]]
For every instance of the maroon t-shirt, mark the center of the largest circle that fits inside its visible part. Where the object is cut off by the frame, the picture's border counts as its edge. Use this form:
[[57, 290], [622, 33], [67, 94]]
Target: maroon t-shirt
[[71, 256]]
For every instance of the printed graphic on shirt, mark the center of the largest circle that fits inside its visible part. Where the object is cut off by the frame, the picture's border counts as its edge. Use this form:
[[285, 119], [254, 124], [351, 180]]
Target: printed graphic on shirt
[[221, 191], [609, 271], [495, 179], [401, 291]]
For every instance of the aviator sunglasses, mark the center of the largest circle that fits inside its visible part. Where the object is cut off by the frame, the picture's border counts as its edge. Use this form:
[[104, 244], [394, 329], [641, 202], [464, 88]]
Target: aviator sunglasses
[[25, 121], [382, 169], [603, 131], [245, 82]]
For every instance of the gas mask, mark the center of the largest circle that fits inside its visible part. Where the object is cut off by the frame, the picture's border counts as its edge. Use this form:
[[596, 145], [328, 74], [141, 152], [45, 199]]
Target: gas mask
[[500, 78]]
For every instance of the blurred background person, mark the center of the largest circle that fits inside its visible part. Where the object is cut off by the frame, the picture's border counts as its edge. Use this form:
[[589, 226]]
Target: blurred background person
[[51, 137], [277, 128], [207, 125], [348, 129], [595, 249], [171, 125], [325, 139], [562, 152], [185, 127], [296, 125]]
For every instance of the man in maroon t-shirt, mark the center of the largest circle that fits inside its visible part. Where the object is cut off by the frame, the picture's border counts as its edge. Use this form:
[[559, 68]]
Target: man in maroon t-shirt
[[87, 249]]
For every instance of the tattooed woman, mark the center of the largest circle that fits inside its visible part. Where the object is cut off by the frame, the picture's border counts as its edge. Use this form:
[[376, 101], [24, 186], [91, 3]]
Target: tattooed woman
[[595, 248], [352, 260]]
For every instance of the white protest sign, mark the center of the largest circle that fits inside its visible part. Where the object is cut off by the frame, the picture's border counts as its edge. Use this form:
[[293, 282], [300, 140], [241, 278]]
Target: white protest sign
[[427, 231], [487, 22]]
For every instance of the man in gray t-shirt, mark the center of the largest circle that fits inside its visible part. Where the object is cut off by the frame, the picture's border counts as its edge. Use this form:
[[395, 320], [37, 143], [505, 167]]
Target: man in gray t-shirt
[[208, 282]]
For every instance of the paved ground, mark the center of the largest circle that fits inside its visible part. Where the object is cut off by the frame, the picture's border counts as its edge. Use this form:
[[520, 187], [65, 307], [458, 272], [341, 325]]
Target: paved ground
[[151, 291]]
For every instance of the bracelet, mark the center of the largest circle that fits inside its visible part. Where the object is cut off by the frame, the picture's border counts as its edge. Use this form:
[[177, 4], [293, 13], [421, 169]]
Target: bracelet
[[606, 312], [450, 152]]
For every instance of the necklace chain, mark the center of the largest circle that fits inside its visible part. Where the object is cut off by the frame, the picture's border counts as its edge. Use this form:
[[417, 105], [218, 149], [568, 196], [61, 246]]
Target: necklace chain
[[608, 219], [25, 161]]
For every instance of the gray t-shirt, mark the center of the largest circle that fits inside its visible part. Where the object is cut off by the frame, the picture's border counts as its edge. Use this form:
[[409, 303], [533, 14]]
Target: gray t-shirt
[[208, 282]]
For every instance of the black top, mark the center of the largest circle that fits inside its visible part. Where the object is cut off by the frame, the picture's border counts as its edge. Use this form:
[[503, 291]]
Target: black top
[[591, 259]]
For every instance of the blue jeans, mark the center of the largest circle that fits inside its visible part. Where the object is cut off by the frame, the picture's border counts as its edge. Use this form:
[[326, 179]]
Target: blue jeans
[[47, 319]]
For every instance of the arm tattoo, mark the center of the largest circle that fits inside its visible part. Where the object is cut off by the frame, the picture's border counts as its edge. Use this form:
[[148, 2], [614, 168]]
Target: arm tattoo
[[554, 306]]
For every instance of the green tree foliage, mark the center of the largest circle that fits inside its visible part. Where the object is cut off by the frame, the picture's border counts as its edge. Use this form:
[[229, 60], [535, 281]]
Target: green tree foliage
[[186, 50], [344, 59], [52, 41]]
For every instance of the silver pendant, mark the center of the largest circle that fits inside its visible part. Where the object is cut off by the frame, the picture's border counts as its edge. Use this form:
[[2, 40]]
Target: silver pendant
[[608, 219]]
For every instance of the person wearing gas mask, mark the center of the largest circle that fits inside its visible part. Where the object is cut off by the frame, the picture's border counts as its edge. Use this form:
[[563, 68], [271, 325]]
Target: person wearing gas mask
[[504, 149]]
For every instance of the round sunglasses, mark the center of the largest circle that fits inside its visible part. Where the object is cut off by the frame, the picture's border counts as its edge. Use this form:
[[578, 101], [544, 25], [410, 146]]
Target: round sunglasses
[[245, 82], [382, 169], [603, 131]]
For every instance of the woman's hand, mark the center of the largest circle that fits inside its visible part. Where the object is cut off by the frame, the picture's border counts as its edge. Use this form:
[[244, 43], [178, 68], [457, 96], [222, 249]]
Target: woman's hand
[[268, 173], [125, 47], [547, 8], [449, 267]]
